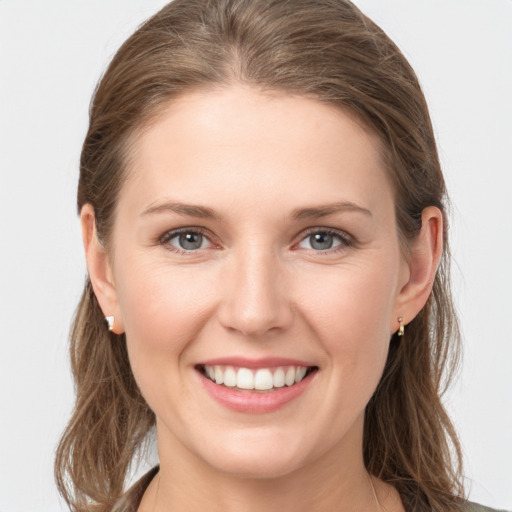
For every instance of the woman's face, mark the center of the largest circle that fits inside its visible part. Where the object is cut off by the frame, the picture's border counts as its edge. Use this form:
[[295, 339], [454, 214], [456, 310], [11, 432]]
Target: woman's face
[[256, 236]]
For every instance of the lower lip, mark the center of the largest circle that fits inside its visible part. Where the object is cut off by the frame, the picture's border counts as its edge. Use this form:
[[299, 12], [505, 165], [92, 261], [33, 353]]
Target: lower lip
[[255, 402]]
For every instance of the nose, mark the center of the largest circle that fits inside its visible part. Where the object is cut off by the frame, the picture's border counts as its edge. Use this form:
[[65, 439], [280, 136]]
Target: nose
[[254, 294]]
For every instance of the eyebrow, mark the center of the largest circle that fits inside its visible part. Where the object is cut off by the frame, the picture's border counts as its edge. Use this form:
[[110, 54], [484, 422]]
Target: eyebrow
[[203, 212], [317, 212], [189, 210]]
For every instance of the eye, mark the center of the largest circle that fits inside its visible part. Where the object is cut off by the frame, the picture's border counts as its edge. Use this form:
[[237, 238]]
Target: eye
[[187, 240], [325, 240]]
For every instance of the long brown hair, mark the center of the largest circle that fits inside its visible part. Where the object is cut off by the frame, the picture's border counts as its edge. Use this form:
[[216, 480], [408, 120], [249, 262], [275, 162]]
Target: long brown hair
[[325, 49]]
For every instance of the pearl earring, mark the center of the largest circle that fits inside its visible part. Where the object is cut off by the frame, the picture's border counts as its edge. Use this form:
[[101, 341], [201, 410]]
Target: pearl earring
[[110, 322]]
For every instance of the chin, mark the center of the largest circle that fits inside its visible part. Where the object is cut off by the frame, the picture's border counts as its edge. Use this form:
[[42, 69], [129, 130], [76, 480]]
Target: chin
[[257, 468], [256, 459]]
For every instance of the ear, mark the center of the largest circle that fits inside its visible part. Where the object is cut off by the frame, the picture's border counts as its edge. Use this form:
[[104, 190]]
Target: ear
[[99, 268], [425, 253]]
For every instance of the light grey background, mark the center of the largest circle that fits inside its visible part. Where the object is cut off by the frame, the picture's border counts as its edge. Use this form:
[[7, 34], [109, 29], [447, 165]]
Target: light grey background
[[51, 55]]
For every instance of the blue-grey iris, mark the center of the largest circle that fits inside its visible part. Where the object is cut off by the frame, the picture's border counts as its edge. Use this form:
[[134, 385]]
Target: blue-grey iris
[[190, 241], [321, 241]]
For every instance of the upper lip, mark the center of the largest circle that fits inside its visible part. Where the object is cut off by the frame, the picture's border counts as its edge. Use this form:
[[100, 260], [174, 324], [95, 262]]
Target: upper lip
[[266, 362]]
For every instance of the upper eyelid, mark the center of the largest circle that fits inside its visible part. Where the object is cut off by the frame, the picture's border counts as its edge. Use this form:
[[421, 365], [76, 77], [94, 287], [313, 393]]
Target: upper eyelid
[[331, 231], [171, 233], [324, 229]]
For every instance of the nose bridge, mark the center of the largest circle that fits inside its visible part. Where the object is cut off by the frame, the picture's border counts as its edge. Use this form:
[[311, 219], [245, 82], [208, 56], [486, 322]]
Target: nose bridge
[[254, 298]]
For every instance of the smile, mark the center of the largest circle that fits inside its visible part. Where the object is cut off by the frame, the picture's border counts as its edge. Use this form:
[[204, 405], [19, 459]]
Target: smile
[[255, 388], [261, 379]]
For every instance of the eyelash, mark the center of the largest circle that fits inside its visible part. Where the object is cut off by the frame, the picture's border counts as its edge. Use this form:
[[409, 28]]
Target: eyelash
[[167, 237], [345, 239]]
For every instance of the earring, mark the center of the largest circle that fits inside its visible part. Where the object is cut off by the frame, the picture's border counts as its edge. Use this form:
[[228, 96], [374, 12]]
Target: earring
[[110, 322], [401, 329]]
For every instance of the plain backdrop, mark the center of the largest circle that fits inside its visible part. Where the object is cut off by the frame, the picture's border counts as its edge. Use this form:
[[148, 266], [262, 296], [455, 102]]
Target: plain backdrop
[[51, 56]]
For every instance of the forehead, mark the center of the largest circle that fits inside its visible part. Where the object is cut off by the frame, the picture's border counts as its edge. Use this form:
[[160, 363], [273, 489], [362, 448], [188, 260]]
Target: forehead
[[240, 143]]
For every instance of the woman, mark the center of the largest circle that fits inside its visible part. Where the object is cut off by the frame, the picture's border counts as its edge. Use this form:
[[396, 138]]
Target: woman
[[263, 218]]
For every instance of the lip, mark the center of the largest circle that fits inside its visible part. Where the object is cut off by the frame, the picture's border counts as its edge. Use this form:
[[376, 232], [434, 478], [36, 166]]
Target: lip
[[266, 362], [254, 402]]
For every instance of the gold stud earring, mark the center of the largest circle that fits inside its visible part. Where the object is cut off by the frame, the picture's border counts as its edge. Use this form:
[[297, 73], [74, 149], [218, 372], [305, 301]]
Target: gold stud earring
[[401, 329], [110, 322]]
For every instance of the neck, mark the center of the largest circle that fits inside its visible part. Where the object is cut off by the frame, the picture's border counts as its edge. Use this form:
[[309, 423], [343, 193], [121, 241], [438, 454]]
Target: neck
[[336, 480]]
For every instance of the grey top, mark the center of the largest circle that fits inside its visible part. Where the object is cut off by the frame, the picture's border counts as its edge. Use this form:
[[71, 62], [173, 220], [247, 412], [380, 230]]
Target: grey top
[[130, 501], [475, 507]]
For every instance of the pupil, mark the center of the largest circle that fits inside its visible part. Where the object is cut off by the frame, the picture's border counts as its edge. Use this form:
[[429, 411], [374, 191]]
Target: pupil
[[191, 241], [321, 241]]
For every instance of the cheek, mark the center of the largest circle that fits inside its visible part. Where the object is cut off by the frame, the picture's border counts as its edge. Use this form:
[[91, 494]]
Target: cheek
[[159, 302], [350, 308], [163, 312]]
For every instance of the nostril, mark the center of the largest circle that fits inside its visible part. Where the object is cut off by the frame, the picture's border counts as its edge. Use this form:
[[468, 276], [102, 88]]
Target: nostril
[[254, 301], [255, 320]]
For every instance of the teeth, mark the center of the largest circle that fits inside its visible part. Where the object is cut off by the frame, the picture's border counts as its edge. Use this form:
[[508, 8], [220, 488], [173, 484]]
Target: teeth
[[230, 379], [279, 378], [245, 379], [289, 379], [301, 372], [219, 375], [261, 379]]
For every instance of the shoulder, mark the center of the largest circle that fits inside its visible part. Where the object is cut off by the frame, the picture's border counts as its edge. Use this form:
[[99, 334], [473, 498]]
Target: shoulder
[[475, 507], [130, 500]]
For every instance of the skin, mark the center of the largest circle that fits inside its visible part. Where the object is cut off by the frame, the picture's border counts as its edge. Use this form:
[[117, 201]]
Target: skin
[[258, 288]]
